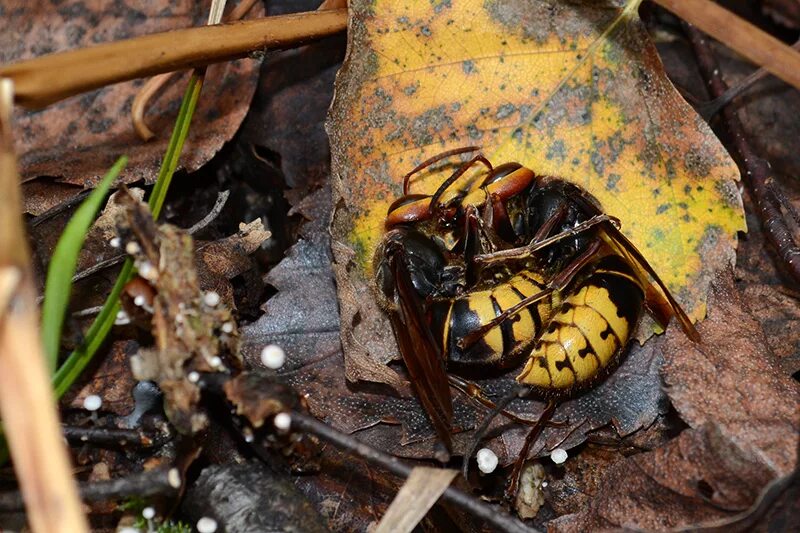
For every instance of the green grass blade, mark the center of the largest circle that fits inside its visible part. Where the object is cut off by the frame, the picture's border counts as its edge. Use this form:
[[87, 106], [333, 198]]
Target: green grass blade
[[64, 261], [179, 134], [71, 369]]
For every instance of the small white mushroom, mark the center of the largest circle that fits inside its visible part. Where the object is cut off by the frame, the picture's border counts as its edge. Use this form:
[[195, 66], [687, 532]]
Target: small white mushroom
[[193, 376], [211, 298], [273, 356], [92, 403], [147, 271], [206, 525], [174, 478], [558, 456], [122, 318], [487, 460], [149, 513], [283, 421], [227, 327], [115, 242], [132, 248]]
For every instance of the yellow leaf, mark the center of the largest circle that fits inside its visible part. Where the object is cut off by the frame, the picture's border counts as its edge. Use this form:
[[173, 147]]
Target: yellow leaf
[[570, 89]]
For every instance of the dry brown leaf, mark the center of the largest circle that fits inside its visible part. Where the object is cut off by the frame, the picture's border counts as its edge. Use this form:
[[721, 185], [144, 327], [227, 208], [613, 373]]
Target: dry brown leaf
[[697, 477], [733, 379], [76, 141], [222, 260], [348, 492], [112, 381]]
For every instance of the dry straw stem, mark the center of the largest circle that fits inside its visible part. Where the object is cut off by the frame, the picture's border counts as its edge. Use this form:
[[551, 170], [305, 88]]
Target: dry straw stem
[[418, 494], [42, 81], [27, 405], [756, 45]]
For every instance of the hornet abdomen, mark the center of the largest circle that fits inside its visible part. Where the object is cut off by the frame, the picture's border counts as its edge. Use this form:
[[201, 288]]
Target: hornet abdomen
[[589, 331], [459, 319]]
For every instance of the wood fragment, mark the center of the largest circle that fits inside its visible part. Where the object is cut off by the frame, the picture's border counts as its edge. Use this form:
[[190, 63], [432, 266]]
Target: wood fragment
[[492, 515], [733, 31], [27, 404], [45, 80], [418, 494]]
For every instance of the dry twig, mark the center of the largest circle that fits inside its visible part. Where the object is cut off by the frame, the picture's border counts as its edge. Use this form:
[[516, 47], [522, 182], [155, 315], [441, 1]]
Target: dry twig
[[736, 33], [42, 81], [154, 84], [27, 404], [757, 172], [467, 502], [146, 484]]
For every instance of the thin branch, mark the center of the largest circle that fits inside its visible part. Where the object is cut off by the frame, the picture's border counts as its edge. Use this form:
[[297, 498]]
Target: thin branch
[[219, 204], [42, 81], [100, 436], [469, 503], [736, 33], [141, 485], [710, 108], [757, 173]]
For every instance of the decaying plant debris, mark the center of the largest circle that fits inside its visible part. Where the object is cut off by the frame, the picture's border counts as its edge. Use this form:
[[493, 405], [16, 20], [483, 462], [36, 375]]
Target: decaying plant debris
[[196, 424]]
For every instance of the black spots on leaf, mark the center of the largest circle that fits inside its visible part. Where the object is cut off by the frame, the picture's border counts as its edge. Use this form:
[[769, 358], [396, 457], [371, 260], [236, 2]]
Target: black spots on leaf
[[384, 97], [611, 183], [662, 208], [440, 5], [557, 151], [505, 111], [474, 132], [598, 163], [697, 163], [469, 67], [729, 194]]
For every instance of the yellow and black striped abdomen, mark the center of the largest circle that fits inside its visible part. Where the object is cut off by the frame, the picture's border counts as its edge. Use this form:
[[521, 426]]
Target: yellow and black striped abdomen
[[505, 342], [589, 331]]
